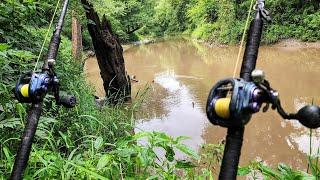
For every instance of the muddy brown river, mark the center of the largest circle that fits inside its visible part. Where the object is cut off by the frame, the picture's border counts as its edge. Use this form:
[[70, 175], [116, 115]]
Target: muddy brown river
[[180, 74]]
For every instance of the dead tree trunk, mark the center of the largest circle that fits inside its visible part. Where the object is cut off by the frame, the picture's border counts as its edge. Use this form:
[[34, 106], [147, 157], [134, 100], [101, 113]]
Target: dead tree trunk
[[109, 54], [76, 37]]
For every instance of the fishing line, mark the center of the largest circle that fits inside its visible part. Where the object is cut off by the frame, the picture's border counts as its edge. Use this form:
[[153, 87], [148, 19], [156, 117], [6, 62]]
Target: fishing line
[[46, 37], [242, 39]]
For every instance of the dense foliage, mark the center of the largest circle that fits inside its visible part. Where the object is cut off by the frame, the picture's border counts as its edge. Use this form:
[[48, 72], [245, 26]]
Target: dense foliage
[[219, 21]]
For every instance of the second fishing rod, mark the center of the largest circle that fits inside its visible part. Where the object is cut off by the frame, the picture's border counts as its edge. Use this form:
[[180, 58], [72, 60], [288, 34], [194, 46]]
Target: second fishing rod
[[232, 102], [234, 138]]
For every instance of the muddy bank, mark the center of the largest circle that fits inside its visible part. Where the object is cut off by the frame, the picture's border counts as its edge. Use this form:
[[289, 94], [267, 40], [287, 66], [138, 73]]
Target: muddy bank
[[286, 43], [293, 43]]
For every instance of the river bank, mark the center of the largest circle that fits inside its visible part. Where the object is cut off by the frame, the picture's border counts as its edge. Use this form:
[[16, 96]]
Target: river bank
[[285, 43], [294, 43]]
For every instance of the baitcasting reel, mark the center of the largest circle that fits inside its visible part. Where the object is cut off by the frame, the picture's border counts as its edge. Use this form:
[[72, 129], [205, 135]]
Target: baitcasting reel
[[32, 88], [232, 102]]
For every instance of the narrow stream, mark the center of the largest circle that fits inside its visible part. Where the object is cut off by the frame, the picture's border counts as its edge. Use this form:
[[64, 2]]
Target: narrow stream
[[181, 73]]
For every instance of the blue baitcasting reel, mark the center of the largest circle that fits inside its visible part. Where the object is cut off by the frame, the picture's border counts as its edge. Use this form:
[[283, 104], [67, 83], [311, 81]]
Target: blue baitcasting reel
[[32, 88]]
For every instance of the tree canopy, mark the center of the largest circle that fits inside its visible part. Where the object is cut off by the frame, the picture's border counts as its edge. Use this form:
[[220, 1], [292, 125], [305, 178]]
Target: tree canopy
[[211, 20]]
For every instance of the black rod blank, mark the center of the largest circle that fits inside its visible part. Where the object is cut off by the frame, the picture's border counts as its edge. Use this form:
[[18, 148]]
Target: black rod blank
[[56, 38], [252, 48], [234, 139]]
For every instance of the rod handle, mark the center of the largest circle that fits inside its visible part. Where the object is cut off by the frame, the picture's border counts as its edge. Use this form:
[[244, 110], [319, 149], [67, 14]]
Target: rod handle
[[231, 155], [27, 137]]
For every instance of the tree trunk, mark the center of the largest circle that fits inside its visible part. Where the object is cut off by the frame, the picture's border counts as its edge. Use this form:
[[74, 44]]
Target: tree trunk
[[109, 54], [76, 37]]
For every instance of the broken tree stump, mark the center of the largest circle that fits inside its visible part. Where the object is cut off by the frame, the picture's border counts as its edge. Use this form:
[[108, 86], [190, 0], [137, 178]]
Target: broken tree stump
[[109, 54]]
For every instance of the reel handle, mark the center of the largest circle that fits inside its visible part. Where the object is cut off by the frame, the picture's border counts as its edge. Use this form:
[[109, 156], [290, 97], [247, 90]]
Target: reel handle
[[68, 101], [309, 116]]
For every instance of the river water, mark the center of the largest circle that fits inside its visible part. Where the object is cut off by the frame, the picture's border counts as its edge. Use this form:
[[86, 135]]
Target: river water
[[180, 74]]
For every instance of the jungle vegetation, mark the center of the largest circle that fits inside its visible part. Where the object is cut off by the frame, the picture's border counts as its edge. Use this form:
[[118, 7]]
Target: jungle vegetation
[[91, 143]]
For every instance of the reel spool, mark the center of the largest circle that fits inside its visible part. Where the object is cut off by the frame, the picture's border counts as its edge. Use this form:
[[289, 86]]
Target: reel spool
[[231, 102], [32, 87]]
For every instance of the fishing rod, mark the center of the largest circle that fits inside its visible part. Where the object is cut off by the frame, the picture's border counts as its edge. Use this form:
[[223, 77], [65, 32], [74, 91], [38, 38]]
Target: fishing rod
[[231, 102], [32, 88]]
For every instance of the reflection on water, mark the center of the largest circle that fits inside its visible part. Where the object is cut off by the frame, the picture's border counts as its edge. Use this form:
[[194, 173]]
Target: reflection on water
[[181, 112], [181, 74]]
